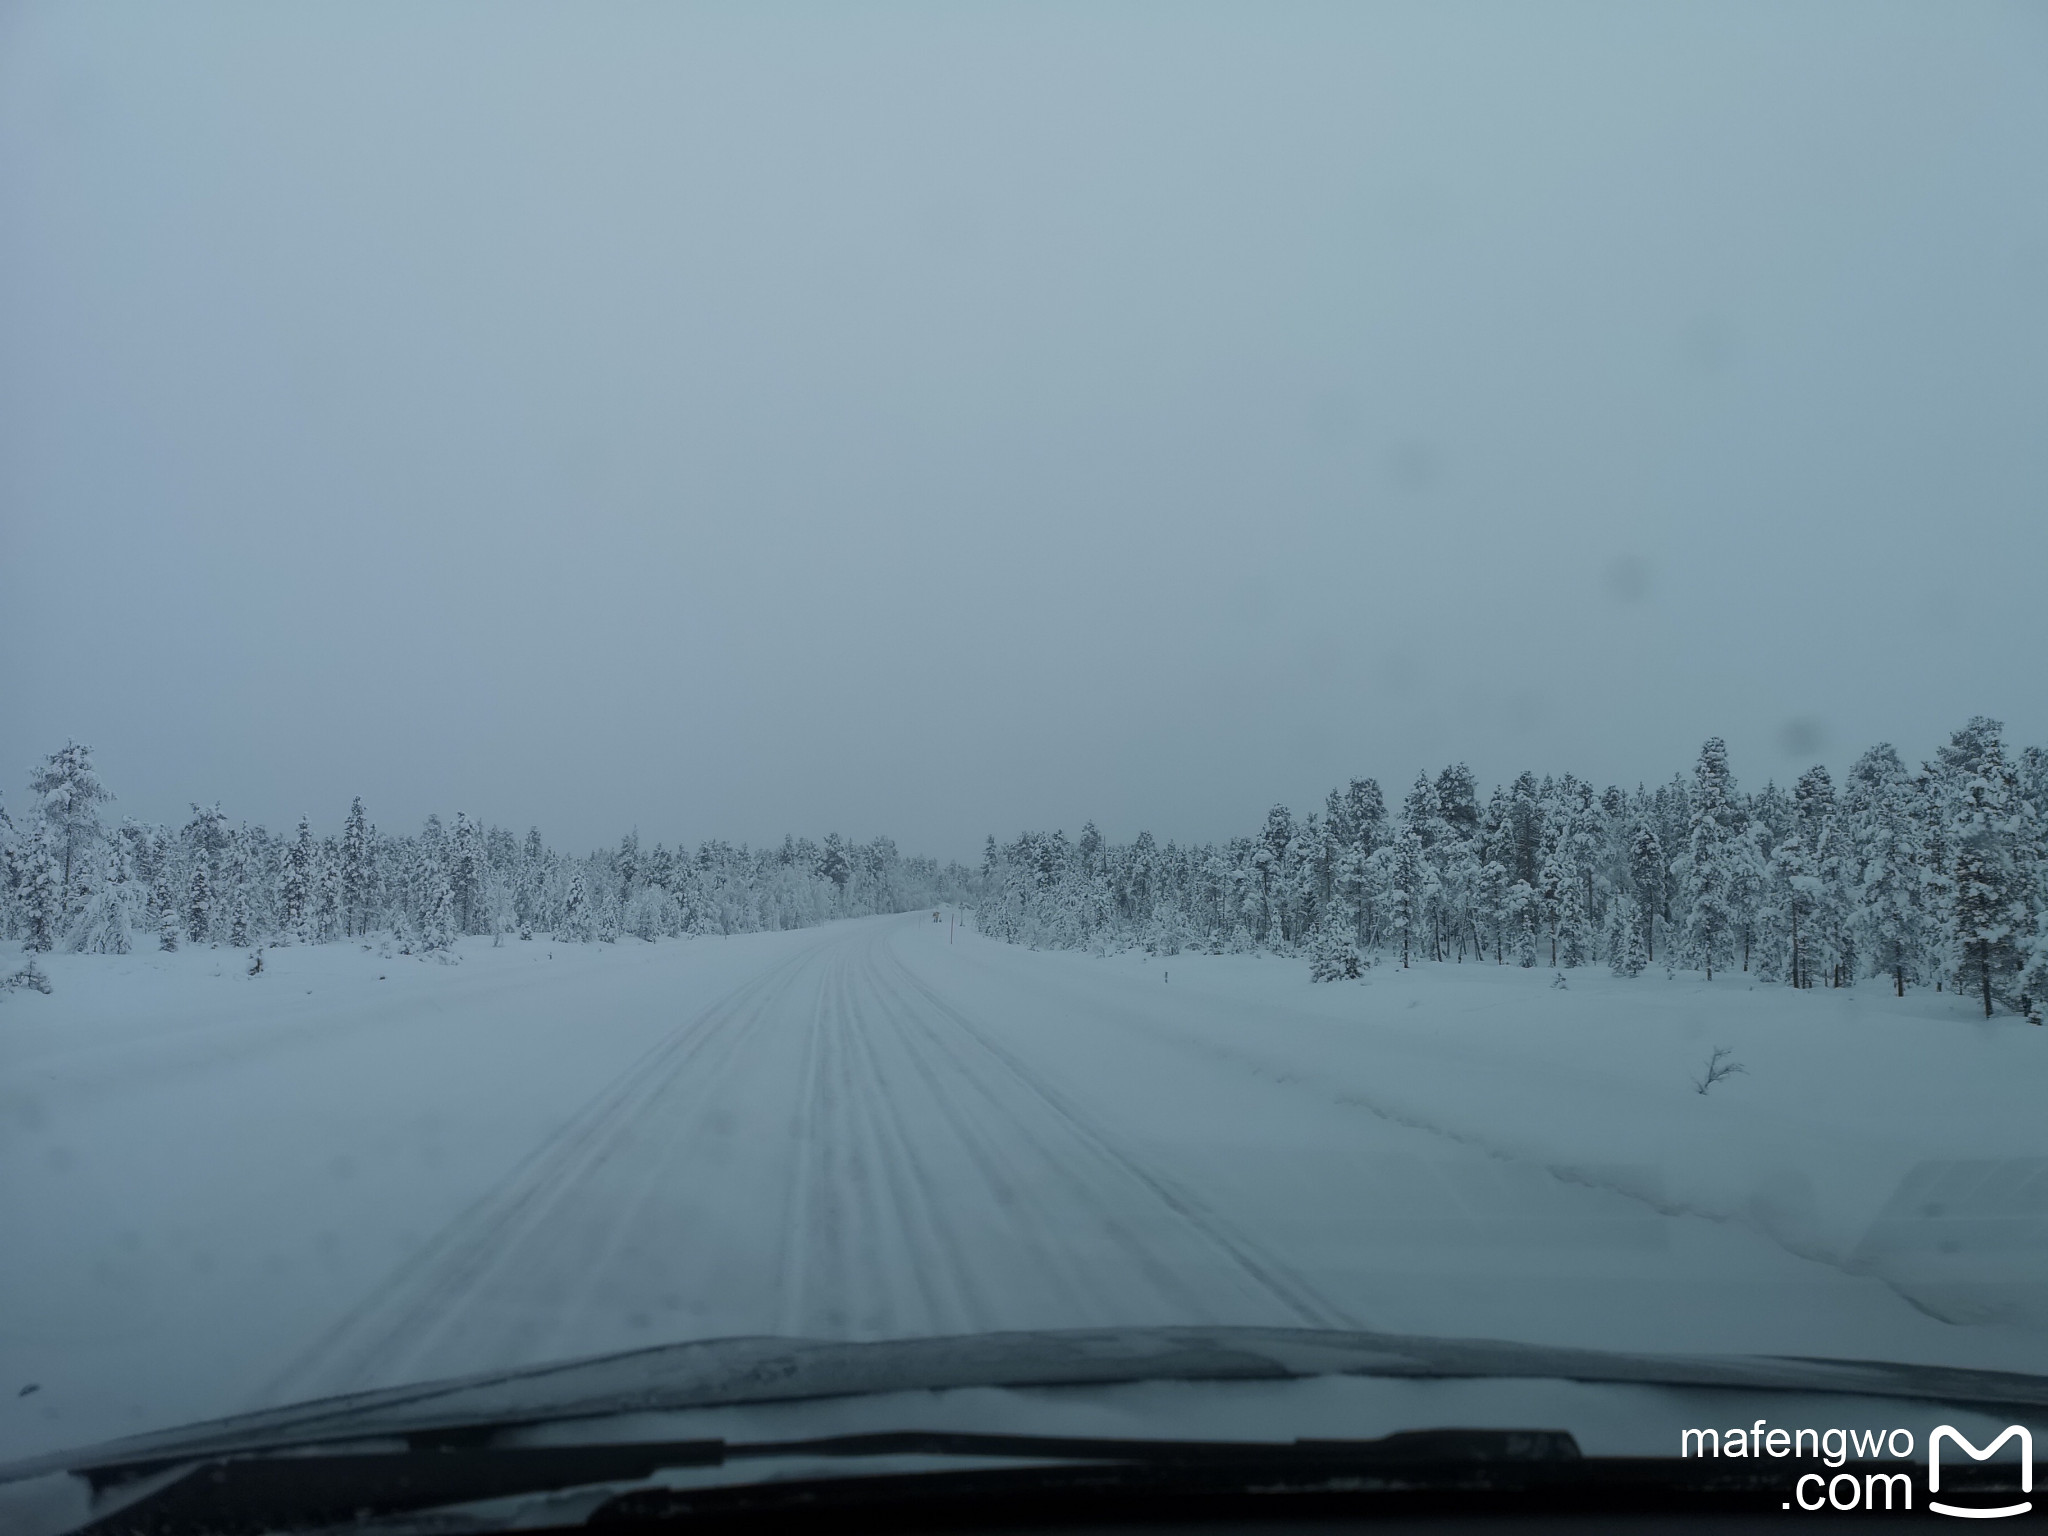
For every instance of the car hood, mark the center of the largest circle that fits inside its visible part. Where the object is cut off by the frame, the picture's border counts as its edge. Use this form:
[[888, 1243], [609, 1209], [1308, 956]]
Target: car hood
[[728, 1372]]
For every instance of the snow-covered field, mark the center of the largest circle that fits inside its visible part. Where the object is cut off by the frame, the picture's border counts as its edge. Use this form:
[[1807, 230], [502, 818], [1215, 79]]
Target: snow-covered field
[[220, 1191]]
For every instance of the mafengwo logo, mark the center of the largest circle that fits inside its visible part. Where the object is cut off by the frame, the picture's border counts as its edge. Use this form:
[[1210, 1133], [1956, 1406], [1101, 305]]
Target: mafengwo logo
[[1969, 1511], [1853, 1477]]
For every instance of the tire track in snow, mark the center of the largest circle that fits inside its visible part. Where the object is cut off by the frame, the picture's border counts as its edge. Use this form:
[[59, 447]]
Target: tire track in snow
[[1265, 1270], [932, 1183], [398, 1320], [904, 1196], [1063, 1178], [978, 1150]]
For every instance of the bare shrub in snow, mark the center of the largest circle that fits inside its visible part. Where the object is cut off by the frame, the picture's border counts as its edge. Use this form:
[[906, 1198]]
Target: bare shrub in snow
[[30, 976], [1718, 1067]]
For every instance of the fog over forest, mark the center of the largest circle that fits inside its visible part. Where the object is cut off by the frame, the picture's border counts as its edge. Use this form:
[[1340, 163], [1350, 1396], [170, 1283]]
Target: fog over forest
[[930, 422]]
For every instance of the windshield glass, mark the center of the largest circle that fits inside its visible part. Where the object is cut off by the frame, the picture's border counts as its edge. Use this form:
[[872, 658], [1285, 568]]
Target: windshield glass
[[866, 673]]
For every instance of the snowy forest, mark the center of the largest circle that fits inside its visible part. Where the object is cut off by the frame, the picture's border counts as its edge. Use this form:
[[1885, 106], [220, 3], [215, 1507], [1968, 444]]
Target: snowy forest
[[1926, 876], [74, 883]]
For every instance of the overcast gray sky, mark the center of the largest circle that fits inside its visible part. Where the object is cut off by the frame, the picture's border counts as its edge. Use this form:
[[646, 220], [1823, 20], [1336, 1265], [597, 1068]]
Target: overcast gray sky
[[945, 419]]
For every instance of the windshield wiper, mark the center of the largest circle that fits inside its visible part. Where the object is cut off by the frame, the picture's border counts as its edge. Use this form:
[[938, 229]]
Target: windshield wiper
[[268, 1492], [1035, 1480]]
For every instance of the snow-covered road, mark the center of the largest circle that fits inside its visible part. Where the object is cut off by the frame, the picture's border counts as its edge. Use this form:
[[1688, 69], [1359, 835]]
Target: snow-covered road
[[218, 1196], [831, 1149]]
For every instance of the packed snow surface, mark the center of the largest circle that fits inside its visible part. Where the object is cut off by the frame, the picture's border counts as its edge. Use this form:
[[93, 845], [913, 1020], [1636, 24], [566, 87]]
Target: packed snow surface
[[221, 1191]]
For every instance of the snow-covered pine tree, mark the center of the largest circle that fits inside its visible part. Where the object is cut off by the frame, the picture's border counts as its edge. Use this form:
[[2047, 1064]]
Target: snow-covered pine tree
[[199, 904], [1991, 844], [102, 928], [835, 865], [468, 869], [358, 872], [1581, 847], [10, 870], [1524, 907], [1711, 859], [1525, 829], [69, 794], [235, 870], [1557, 879], [1490, 903], [1648, 873], [1796, 894], [1988, 916], [1983, 928], [2033, 979], [576, 921], [163, 894], [42, 889], [1408, 891], [327, 903], [295, 887], [1889, 880], [168, 926], [626, 866], [1574, 925], [1627, 954], [1333, 954], [438, 926], [1818, 814]]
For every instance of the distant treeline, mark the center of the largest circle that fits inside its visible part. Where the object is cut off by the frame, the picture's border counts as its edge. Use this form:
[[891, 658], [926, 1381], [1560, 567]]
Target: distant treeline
[[1924, 876], [68, 881]]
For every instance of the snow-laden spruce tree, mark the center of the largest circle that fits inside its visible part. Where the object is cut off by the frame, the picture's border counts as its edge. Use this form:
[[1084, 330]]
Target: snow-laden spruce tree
[[1793, 900], [68, 797], [1333, 953], [41, 894], [295, 886], [438, 925], [1168, 931], [1407, 890], [468, 869], [576, 925], [1890, 877], [1580, 847], [1988, 915], [431, 896], [327, 903], [2033, 980], [163, 898], [1523, 907], [102, 927], [1490, 909], [1573, 934], [1829, 943], [1648, 874], [241, 931], [358, 872], [1627, 952], [199, 903], [1711, 864], [1993, 843]]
